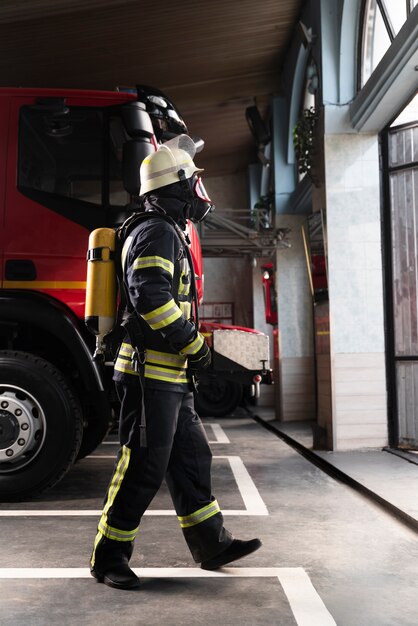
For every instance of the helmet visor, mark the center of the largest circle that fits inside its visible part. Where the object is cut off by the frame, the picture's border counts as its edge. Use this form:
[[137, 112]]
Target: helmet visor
[[182, 142]]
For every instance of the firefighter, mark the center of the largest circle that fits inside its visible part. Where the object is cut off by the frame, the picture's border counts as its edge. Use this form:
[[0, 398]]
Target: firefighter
[[160, 433]]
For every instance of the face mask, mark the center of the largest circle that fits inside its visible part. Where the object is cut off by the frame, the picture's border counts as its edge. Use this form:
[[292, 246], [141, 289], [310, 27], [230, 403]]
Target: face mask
[[201, 204]]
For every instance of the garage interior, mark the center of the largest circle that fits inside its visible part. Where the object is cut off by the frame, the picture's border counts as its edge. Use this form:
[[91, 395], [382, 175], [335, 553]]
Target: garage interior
[[314, 469]]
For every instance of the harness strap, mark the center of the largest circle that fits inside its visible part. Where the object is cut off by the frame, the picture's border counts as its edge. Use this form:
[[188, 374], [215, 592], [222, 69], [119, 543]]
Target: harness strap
[[133, 330]]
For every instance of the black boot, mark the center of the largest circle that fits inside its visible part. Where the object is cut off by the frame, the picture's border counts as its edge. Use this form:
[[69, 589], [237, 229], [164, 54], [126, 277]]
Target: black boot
[[236, 550], [109, 564]]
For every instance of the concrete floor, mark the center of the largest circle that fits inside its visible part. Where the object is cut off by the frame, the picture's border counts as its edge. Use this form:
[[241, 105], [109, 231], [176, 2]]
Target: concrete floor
[[390, 475], [329, 557]]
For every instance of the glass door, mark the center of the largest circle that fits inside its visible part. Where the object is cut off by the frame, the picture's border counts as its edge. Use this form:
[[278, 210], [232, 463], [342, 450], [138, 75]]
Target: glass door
[[402, 163]]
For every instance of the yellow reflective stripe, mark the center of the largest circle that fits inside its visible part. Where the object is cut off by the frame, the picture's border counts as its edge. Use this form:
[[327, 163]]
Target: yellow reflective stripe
[[125, 367], [44, 284], [166, 358], [184, 289], [155, 356], [163, 316], [115, 485], [115, 533], [162, 373], [199, 516], [194, 346], [143, 262], [185, 308], [117, 478], [126, 350], [96, 541], [155, 362], [125, 251]]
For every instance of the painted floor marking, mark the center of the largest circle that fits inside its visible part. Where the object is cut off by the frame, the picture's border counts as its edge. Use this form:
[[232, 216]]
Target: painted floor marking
[[249, 492], [254, 505], [306, 604], [218, 433]]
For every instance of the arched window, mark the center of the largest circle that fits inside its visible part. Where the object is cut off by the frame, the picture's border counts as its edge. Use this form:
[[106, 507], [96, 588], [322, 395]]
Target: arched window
[[382, 20]]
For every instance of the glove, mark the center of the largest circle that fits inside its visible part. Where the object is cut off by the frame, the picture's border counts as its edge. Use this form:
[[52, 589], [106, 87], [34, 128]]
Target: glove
[[200, 360]]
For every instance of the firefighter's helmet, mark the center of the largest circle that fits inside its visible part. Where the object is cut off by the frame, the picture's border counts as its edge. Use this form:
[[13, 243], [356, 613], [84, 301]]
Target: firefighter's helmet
[[162, 167], [173, 163]]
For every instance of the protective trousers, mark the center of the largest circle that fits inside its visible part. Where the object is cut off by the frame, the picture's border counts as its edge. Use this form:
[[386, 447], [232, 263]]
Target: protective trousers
[[177, 450]]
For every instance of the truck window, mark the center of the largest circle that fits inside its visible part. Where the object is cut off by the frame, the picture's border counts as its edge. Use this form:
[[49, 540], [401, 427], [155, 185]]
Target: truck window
[[73, 153]]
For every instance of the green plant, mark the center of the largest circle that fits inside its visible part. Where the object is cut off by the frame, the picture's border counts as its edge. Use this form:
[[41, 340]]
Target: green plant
[[304, 142]]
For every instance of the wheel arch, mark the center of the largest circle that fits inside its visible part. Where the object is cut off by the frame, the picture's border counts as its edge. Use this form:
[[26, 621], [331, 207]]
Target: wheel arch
[[35, 322]]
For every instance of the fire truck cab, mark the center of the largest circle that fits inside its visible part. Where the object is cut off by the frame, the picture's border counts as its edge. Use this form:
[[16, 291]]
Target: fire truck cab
[[69, 163]]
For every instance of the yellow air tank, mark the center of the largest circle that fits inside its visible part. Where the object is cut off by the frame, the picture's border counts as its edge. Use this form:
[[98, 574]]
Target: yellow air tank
[[101, 291]]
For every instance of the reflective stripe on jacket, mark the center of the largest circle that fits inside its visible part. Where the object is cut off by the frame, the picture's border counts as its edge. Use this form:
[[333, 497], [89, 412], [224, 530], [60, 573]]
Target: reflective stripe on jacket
[[158, 278], [167, 367]]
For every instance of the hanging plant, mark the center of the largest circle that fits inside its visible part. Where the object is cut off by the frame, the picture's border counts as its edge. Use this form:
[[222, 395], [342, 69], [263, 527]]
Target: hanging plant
[[304, 142]]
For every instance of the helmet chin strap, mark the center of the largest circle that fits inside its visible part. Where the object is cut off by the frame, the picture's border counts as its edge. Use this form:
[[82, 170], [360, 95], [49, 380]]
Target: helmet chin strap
[[188, 193]]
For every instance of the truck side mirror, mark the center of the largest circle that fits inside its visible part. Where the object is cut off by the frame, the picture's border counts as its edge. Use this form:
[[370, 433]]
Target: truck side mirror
[[134, 152], [136, 120], [138, 125]]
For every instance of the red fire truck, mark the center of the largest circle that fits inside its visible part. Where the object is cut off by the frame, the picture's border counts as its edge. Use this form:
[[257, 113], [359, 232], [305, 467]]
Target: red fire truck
[[69, 163]]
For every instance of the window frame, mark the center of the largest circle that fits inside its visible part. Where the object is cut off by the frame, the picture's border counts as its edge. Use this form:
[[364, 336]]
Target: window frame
[[381, 6]]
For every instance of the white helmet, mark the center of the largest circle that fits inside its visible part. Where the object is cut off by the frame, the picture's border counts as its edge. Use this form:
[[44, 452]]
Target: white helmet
[[162, 167]]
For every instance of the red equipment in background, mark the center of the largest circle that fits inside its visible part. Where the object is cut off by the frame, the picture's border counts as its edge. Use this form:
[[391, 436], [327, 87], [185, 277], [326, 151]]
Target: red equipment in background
[[270, 296]]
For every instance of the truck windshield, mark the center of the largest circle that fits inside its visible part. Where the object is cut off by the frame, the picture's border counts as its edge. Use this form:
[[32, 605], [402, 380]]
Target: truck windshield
[[72, 153]]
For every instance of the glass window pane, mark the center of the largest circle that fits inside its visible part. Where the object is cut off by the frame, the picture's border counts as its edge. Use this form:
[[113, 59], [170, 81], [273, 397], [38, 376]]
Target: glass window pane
[[381, 41], [376, 40], [61, 154], [397, 13], [409, 114]]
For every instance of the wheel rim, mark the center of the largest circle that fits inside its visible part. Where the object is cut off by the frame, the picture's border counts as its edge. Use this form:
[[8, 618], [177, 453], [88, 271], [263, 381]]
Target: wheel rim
[[22, 428]]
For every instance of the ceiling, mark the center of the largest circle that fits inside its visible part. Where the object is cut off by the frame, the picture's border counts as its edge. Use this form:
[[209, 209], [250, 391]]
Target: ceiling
[[213, 58]]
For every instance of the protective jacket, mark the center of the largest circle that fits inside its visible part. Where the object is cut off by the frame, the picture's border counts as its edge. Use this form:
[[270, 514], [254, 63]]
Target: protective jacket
[[158, 278]]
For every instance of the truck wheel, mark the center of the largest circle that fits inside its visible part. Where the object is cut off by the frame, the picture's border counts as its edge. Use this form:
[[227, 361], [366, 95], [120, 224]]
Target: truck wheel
[[93, 435], [40, 425], [217, 398]]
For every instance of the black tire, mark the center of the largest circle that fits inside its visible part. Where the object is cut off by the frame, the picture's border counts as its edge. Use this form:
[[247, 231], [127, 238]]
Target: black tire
[[41, 425], [217, 397], [93, 435]]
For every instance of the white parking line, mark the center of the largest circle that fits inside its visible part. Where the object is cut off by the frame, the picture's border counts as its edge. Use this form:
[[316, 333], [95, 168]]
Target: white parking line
[[249, 492], [306, 604], [218, 433], [98, 512], [254, 504]]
